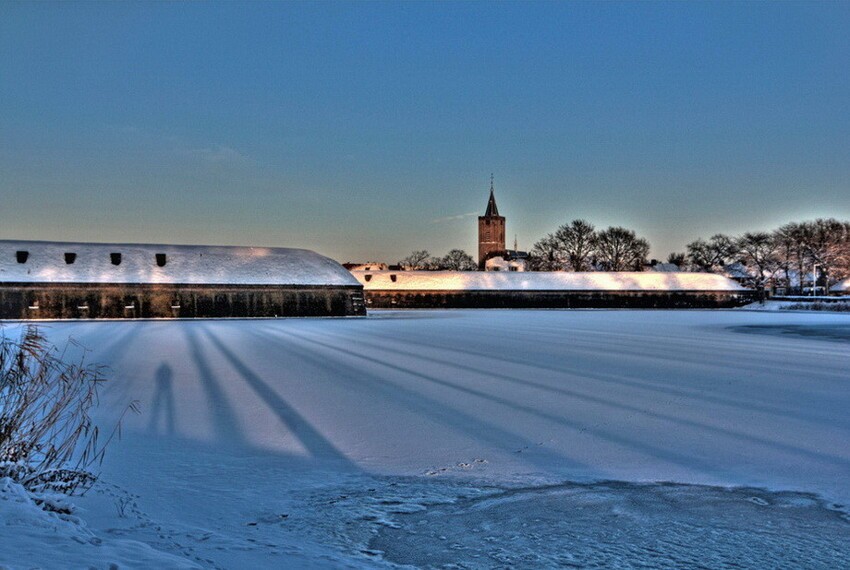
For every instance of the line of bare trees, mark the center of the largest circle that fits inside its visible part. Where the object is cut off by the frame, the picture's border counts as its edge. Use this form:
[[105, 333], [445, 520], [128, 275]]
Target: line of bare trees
[[578, 246], [785, 257], [455, 260]]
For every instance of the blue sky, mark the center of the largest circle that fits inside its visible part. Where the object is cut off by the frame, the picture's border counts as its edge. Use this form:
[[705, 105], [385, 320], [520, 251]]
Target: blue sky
[[366, 130]]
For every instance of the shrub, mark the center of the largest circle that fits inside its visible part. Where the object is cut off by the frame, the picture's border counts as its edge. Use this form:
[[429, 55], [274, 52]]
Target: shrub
[[48, 441]]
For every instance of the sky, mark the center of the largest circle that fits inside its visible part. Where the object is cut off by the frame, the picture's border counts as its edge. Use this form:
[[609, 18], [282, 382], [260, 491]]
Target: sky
[[367, 130]]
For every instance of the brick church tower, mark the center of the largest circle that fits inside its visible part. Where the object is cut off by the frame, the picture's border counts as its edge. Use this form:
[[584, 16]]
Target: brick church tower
[[491, 230]]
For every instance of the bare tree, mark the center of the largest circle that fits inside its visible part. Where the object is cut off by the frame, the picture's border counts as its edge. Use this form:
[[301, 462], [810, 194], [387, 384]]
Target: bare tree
[[457, 260], [759, 252], [619, 249], [713, 254], [790, 249], [678, 259], [570, 248], [546, 255], [826, 243], [577, 241], [416, 260]]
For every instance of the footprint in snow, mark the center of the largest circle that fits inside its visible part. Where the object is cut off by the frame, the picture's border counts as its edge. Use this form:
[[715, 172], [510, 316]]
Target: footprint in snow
[[463, 465]]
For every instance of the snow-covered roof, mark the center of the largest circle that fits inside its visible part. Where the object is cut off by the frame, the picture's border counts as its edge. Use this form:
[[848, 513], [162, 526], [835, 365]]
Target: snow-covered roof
[[183, 264], [543, 281], [841, 286]]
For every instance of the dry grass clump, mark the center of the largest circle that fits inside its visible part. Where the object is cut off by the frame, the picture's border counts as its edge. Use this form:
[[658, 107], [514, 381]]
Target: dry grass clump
[[48, 441]]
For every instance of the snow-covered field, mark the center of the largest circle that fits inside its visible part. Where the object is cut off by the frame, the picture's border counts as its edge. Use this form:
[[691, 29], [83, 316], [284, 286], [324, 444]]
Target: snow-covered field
[[467, 438]]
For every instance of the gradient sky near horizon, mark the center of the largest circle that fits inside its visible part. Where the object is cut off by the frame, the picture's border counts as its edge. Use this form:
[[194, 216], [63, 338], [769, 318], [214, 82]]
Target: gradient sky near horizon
[[367, 130]]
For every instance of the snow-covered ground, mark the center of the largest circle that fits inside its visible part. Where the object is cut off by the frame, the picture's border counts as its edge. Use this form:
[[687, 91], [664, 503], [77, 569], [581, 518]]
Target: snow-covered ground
[[833, 304], [474, 438]]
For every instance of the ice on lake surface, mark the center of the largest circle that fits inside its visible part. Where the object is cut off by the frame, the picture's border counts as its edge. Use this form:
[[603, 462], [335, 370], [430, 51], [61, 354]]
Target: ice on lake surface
[[328, 443], [626, 525], [839, 333]]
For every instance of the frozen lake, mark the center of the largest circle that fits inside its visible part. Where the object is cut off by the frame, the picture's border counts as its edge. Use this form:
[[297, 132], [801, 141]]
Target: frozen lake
[[432, 437]]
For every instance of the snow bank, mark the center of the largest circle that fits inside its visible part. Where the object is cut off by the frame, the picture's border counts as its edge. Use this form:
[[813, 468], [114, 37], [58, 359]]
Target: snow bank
[[184, 264], [543, 281], [35, 538]]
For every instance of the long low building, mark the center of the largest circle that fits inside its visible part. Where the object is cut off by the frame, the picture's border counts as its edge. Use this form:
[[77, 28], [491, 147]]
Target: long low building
[[555, 289], [49, 280]]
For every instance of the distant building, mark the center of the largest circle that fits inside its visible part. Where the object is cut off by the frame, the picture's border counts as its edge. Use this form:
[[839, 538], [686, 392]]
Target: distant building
[[491, 231], [55, 280], [549, 289], [368, 266], [493, 255], [661, 267], [509, 260]]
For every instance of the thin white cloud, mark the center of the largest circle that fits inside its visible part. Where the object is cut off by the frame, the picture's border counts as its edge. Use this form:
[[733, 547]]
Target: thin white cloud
[[210, 153], [219, 154], [452, 218]]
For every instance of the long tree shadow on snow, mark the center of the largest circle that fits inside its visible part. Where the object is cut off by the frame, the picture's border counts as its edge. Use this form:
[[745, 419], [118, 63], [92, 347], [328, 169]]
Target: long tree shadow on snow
[[313, 441], [535, 357], [225, 421], [690, 461], [619, 406], [385, 388], [634, 382]]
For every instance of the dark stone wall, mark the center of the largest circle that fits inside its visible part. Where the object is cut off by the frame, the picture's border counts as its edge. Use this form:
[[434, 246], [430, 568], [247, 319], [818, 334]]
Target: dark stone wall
[[555, 299], [128, 301]]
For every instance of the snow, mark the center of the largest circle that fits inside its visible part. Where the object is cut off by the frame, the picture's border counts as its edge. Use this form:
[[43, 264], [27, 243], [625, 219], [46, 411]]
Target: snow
[[543, 281], [185, 264], [800, 304], [841, 286], [40, 539], [507, 438]]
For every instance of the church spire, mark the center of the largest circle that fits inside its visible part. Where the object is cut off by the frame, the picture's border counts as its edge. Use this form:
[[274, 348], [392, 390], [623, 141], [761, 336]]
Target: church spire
[[492, 210]]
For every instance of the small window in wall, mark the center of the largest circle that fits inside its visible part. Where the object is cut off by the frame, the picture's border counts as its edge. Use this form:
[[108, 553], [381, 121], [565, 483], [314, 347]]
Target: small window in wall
[[160, 259], [116, 258], [22, 256], [70, 257], [393, 278], [367, 277]]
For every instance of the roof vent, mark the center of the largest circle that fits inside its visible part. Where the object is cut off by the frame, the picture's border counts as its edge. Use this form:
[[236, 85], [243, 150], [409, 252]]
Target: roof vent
[[160, 259], [22, 256], [367, 277], [70, 257], [116, 258], [393, 278]]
